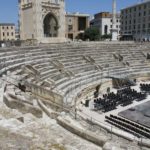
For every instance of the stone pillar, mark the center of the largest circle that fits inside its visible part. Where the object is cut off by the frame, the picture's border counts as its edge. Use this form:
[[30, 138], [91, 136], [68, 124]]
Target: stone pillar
[[114, 29]]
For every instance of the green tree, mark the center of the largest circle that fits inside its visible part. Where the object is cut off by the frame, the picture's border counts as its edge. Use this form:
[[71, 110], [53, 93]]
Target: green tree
[[106, 36], [92, 33]]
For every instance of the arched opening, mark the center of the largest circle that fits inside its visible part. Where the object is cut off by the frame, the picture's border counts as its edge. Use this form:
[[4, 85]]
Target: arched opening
[[50, 26]]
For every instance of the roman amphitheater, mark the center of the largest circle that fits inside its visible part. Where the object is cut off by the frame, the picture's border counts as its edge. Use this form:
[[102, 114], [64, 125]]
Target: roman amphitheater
[[63, 96]]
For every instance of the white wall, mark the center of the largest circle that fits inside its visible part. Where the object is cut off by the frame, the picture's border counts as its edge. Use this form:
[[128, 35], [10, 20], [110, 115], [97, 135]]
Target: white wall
[[100, 23], [107, 21]]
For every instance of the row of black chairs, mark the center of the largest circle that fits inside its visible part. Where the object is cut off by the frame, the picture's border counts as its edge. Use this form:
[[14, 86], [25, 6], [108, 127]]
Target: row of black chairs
[[122, 127], [145, 87], [123, 97], [137, 130], [132, 93], [132, 123]]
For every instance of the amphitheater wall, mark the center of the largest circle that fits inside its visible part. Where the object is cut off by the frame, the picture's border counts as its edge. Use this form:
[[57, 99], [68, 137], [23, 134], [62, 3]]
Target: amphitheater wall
[[144, 142], [105, 85], [44, 93], [22, 107], [89, 91], [140, 77], [88, 135], [51, 114]]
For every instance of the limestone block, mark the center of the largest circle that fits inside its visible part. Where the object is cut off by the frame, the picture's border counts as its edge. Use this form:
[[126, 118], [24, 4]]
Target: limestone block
[[111, 146], [88, 135], [22, 107]]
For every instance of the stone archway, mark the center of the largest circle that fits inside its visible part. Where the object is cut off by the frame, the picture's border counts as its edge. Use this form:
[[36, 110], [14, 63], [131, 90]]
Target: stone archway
[[50, 26]]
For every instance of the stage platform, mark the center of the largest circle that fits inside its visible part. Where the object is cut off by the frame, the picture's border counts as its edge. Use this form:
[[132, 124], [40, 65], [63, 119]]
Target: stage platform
[[139, 114]]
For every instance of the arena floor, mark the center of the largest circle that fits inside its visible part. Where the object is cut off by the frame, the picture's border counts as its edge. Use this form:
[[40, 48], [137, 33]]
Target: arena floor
[[140, 105], [139, 114]]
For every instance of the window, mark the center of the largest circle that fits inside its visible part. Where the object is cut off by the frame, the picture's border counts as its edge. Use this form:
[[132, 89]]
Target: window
[[7, 33], [70, 27], [12, 34], [7, 27], [82, 22], [135, 9], [139, 14], [3, 28], [3, 33], [11, 27], [69, 20], [106, 29]]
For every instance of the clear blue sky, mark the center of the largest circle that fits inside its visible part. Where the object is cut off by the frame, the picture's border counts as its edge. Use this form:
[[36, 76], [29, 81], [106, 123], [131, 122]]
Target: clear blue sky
[[9, 8]]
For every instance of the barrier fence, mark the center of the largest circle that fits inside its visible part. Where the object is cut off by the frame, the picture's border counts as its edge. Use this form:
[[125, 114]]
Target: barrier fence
[[108, 130]]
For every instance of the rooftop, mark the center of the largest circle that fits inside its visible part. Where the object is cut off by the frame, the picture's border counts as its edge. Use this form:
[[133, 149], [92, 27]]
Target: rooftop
[[78, 14], [7, 24], [137, 4]]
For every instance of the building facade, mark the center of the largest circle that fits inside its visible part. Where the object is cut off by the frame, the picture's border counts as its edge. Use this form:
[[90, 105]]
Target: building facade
[[42, 20], [7, 32], [76, 24], [135, 21], [103, 21]]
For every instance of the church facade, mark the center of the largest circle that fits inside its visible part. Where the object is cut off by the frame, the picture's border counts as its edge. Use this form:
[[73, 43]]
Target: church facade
[[42, 20]]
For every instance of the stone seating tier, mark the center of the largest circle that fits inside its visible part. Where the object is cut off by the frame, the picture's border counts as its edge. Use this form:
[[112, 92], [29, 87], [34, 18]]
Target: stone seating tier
[[71, 57]]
